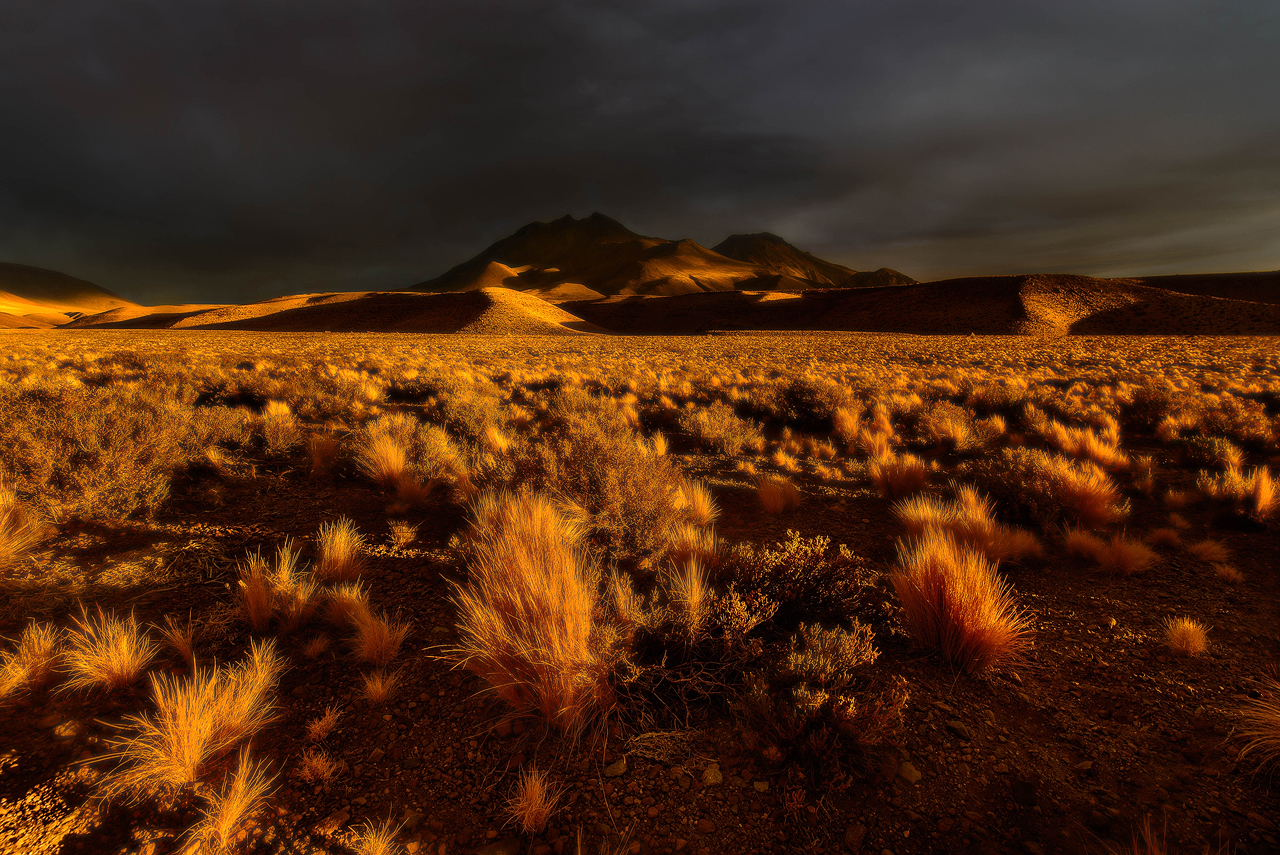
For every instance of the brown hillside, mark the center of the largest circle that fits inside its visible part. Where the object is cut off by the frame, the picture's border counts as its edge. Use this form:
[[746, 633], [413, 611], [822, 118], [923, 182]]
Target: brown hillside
[[486, 310], [767, 250], [43, 290], [1254, 287]]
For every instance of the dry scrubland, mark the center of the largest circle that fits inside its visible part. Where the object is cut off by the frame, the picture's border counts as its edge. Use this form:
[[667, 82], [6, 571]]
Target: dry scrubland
[[825, 592]]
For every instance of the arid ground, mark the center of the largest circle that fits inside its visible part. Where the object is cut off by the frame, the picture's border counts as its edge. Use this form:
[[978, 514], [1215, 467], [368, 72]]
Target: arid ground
[[617, 562]]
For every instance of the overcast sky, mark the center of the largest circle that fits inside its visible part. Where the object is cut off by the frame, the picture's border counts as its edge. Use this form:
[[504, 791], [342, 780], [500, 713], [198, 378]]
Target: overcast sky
[[226, 151]]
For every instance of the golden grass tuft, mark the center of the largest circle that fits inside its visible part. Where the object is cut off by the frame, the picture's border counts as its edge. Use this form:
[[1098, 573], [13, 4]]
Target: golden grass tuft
[[1121, 555], [1178, 521], [1186, 636], [20, 531], [1179, 499], [107, 652], [778, 495], [1253, 493], [1229, 573], [383, 458], [970, 520], [691, 595], [1210, 551], [378, 686], [377, 839], [339, 545], [953, 600], [33, 663], [317, 766], [319, 728], [403, 533], [378, 637], [897, 476], [316, 646], [232, 808], [323, 449], [198, 720], [348, 604], [1260, 724], [533, 801], [179, 637], [695, 498], [526, 616], [256, 593], [1166, 537]]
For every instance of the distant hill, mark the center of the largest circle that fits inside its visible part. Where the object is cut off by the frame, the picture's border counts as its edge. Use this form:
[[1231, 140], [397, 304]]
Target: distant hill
[[1043, 305], [566, 257], [767, 250], [1262, 287], [44, 296], [483, 311]]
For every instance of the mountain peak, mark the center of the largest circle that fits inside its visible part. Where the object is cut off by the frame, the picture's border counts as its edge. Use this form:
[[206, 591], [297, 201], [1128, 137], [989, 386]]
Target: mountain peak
[[770, 250]]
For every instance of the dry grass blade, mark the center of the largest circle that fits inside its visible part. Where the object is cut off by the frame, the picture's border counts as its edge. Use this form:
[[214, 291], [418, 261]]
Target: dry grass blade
[[107, 652], [317, 766], [181, 638], [1210, 551], [696, 498], [256, 592], [232, 808], [953, 600], [383, 458], [533, 802], [339, 545], [348, 605], [691, 596]]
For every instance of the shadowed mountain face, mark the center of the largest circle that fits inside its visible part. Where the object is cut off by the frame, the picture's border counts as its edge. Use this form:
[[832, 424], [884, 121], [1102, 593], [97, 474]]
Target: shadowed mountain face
[[1261, 287], [38, 298], [566, 258], [768, 250]]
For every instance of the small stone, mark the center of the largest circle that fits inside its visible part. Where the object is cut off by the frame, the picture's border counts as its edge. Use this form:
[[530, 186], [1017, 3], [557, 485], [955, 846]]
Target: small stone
[[706, 826], [411, 763], [360, 800], [412, 819], [711, 776], [960, 729], [761, 786], [1000, 769], [1084, 766], [681, 843], [53, 719], [502, 729], [616, 769], [853, 837], [654, 812], [491, 834], [376, 754], [463, 837], [909, 773], [333, 821]]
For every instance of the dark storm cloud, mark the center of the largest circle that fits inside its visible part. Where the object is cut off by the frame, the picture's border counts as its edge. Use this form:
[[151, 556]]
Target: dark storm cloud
[[231, 150]]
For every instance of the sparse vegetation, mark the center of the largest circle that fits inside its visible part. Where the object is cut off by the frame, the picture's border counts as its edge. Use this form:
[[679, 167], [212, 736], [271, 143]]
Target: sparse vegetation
[[1186, 636]]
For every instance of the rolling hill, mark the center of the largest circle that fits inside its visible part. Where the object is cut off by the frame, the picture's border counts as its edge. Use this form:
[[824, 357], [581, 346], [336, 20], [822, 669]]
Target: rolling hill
[[37, 298]]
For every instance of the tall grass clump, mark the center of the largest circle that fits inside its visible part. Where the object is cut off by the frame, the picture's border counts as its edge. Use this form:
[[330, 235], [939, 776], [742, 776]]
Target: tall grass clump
[[33, 663], [198, 722], [107, 652], [970, 519], [898, 475], [339, 545], [229, 810], [533, 801], [1260, 724], [778, 495], [1051, 489], [20, 531], [716, 427], [526, 615], [1252, 494], [954, 601]]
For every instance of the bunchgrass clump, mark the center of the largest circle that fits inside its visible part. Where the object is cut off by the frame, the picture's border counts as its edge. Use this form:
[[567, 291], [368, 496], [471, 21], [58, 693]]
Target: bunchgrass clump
[[1260, 724], [898, 475], [778, 495], [107, 652], [232, 808], [954, 601], [526, 617], [1186, 636], [33, 663], [533, 802], [339, 547]]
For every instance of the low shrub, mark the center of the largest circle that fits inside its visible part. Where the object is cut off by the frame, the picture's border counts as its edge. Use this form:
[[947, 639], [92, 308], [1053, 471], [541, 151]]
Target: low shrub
[[778, 495], [716, 427], [896, 476]]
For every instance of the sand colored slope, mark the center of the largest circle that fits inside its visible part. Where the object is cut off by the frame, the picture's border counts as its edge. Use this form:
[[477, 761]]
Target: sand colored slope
[[485, 310], [9, 321], [767, 250], [21, 286]]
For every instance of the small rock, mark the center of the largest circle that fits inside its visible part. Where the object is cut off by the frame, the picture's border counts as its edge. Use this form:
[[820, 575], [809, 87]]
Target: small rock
[[333, 821], [360, 800], [617, 769], [515, 761], [853, 837], [706, 826], [1000, 769], [681, 843], [909, 773], [1084, 766], [711, 776], [376, 754], [411, 763], [761, 786], [960, 729], [412, 819], [463, 837], [502, 729], [53, 719]]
